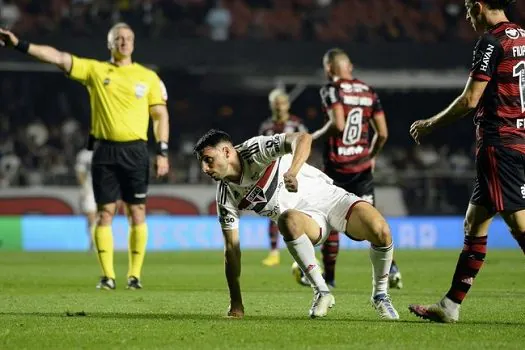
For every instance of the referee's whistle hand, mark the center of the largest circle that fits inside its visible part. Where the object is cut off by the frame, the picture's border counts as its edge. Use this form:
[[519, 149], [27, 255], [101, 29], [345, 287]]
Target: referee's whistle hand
[[162, 165]]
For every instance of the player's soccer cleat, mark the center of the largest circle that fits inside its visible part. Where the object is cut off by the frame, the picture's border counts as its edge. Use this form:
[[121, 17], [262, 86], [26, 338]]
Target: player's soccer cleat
[[106, 283], [436, 312], [273, 259], [133, 283], [323, 301], [394, 278], [384, 307]]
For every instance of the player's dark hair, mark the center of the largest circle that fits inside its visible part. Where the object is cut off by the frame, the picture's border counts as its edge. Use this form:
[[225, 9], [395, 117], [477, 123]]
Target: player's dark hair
[[331, 54], [498, 4], [211, 139]]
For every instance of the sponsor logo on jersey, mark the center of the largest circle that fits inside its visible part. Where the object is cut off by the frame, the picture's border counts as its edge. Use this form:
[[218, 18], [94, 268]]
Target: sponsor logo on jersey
[[515, 33], [486, 57], [512, 33], [350, 151], [224, 216]]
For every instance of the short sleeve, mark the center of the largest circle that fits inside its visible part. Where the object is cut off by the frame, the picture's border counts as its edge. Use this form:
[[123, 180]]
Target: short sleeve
[[330, 96], [227, 213], [158, 95], [486, 57], [81, 69]]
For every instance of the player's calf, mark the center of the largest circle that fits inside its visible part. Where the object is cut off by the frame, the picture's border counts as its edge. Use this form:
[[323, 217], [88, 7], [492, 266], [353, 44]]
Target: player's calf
[[366, 223]]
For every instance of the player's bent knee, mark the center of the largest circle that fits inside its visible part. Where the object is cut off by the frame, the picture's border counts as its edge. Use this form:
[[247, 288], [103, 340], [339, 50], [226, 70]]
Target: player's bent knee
[[381, 234], [289, 223]]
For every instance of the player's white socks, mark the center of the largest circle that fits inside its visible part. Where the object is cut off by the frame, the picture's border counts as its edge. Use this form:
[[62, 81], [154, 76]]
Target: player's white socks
[[303, 252], [381, 258]]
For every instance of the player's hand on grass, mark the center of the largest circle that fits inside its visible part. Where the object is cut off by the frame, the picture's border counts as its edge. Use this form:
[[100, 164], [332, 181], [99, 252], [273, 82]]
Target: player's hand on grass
[[419, 129], [7, 38], [162, 166], [236, 310], [290, 182]]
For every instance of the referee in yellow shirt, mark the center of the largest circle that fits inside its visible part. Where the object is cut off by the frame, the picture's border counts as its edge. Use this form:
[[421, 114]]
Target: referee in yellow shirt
[[123, 94]]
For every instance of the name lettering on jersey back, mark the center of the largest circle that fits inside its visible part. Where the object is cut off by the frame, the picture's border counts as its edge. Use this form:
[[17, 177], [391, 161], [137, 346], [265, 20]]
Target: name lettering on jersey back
[[350, 151], [486, 57], [355, 87], [357, 101], [518, 51]]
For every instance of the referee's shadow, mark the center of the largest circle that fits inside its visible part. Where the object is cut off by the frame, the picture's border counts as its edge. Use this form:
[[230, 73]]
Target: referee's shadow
[[249, 318]]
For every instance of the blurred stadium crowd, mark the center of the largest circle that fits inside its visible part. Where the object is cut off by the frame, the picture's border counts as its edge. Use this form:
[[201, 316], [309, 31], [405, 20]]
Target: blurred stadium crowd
[[321, 20]]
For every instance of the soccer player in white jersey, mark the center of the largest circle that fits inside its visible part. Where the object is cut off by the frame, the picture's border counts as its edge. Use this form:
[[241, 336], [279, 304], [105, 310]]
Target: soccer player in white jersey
[[261, 176], [88, 207]]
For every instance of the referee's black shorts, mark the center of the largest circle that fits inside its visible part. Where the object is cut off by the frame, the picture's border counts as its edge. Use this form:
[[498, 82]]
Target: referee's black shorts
[[120, 170]]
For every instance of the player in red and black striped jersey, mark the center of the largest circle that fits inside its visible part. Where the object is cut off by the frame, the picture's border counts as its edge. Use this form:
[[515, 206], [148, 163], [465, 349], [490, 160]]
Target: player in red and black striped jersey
[[496, 91], [356, 132], [281, 121]]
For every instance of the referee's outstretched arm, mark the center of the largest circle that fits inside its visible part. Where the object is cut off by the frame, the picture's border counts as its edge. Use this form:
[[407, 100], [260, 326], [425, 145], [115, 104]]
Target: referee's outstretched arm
[[44, 53]]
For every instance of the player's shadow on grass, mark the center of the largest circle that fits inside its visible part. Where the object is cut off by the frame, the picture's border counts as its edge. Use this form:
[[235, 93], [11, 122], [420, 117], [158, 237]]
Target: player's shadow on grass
[[249, 318]]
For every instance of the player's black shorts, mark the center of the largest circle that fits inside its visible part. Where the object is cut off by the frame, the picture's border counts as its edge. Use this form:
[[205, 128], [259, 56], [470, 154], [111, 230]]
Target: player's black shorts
[[360, 184], [120, 170], [500, 180]]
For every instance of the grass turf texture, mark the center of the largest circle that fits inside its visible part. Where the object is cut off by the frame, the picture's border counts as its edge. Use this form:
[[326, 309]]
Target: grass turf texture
[[49, 300]]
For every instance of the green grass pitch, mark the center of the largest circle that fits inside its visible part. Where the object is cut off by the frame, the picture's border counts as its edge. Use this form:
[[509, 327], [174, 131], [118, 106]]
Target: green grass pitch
[[49, 301]]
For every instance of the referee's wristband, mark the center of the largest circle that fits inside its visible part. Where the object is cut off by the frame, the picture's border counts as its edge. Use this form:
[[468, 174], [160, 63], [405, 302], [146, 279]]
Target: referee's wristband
[[22, 46], [162, 148]]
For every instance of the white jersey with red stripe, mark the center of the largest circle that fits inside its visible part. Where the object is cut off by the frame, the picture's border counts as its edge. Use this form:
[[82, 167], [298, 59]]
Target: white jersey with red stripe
[[261, 188]]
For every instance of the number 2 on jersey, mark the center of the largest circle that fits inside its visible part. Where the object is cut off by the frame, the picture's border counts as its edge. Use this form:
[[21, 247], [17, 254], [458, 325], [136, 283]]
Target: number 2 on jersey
[[519, 72], [353, 127]]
